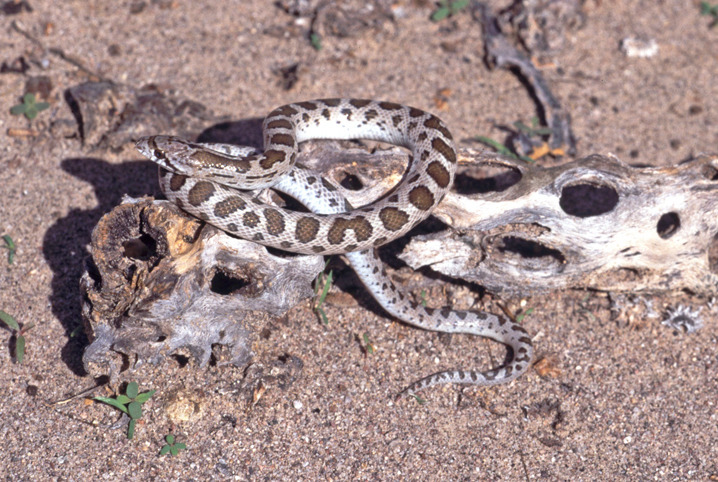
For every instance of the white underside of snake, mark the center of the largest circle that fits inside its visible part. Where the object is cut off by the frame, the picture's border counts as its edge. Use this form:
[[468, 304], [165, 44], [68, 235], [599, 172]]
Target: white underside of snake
[[218, 183]]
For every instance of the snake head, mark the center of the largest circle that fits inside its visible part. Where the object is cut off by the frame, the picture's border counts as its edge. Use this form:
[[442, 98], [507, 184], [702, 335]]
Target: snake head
[[170, 152]]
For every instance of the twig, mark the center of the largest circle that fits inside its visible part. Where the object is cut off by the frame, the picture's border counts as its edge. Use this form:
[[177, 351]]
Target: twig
[[501, 54]]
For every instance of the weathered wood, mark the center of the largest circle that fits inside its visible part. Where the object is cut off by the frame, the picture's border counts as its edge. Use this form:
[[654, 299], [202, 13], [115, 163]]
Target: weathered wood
[[162, 283]]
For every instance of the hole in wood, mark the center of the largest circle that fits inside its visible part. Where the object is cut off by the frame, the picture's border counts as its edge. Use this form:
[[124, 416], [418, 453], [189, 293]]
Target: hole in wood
[[529, 249], [710, 172], [141, 249], [351, 182], [486, 179], [586, 200], [668, 225], [223, 284]]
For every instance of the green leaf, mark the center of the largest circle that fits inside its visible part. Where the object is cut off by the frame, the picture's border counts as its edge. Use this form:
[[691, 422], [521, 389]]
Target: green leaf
[[327, 286], [170, 439], [165, 450], [20, 348], [134, 409], [132, 389], [28, 98], [523, 315], [42, 106], [174, 450], [144, 396], [320, 310], [440, 14], [112, 402], [31, 112], [18, 109], [180, 446], [131, 429], [123, 399], [418, 399], [9, 321], [316, 41]]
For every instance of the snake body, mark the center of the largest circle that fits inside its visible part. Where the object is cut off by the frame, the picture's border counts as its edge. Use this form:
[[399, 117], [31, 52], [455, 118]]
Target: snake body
[[204, 180]]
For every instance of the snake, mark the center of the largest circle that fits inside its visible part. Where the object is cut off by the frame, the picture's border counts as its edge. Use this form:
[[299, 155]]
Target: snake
[[220, 184]]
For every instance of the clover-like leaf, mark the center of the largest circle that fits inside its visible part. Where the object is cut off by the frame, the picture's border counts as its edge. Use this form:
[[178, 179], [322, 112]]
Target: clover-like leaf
[[134, 409], [132, 389], [165, 450], [144, 396], [170, 439]]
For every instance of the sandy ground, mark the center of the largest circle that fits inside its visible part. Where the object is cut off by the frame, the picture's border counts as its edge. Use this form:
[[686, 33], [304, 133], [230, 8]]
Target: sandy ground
[[626, 398]]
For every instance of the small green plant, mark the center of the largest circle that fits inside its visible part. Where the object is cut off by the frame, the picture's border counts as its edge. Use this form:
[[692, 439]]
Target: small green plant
[[19, 333], [316, 40], [423, 298], [535, 130], [523, 315], [29, 106], [130, 403], [10, 246], [448, 8], [172, 447], [502, 149], [419, 400], [712, 10], [325, 280], [368, 345]]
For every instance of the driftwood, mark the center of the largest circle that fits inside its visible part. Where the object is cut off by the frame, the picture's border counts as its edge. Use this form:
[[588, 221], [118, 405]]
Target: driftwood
[[161, 283], [594, 223]]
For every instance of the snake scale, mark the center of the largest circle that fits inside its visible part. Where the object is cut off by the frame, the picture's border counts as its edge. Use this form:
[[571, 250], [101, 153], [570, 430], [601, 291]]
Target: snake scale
[[218, 183]]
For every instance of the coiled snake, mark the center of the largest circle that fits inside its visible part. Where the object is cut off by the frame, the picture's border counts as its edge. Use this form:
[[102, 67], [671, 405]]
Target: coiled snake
[[215, 181]]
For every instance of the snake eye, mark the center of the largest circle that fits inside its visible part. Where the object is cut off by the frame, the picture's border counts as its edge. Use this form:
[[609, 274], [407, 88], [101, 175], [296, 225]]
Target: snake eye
[[159, 154]]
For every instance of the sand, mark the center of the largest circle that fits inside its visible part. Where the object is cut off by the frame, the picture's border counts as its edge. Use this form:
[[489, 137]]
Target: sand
[[622, 398]]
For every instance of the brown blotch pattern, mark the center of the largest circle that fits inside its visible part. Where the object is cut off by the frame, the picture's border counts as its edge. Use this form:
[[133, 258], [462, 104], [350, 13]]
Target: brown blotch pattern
[[200, 193], [361, 227], [359, 102], [439, 174], [434, 122], [250, 219], [285, 110], [271, 157], [396, 120], [177, 181], [279, 124], [274, 220], [444, 149], [332, 102], [282, 140], [371, 114], [307, 105], [326, 114], [414, 112], [390, 106], [422, 198], [306, 230], [393, 218], [228, 206]]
